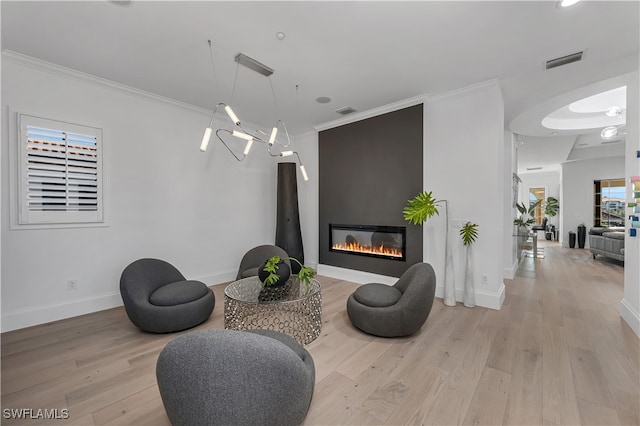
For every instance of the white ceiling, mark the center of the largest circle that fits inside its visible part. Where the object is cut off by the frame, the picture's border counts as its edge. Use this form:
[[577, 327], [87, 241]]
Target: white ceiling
[[360, 54]]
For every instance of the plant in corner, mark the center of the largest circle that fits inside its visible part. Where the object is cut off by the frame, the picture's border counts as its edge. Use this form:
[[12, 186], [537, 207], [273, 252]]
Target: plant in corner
[[275, 272], [417, 211], [551, 206], [420, 208], [469, 234]]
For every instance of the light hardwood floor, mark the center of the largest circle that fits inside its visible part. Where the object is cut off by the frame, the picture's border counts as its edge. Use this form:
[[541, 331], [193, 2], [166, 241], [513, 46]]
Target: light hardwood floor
[[556, 354]]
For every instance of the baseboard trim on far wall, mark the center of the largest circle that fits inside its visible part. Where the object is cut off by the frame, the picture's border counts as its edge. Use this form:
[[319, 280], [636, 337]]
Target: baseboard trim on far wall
[[510, 273], [630, 316], [49, 313], [483, 299], [354, 276]]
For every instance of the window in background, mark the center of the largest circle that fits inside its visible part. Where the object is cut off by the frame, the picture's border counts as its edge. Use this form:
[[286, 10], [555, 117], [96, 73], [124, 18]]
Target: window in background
[[536, 194], [609, 196], [60, 172]]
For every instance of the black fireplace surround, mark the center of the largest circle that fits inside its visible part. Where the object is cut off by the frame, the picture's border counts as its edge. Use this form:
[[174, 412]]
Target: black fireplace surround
[[368, 170]]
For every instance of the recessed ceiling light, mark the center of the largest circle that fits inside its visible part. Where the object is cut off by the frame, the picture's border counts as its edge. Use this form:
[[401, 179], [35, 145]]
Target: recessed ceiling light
[[609, 132], [614, 111], [323, 100], [567, 3], [280, 35]]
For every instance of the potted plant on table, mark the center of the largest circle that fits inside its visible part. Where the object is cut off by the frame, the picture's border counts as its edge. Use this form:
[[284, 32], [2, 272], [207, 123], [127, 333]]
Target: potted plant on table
[[275, 272], [526, 219]]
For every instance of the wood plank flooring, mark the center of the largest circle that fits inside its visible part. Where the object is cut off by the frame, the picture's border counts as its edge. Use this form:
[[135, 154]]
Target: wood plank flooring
[[556, 354]]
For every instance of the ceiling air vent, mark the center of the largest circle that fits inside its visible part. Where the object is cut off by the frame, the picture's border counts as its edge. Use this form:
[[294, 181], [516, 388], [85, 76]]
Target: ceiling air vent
[[564, 60], [346, 110]]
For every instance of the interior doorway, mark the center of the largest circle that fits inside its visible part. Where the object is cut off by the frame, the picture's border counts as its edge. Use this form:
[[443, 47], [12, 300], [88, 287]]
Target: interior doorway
[[536, 194]]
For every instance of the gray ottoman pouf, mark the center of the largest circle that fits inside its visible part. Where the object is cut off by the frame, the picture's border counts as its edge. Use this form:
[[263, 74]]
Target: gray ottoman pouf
[[228, 377]]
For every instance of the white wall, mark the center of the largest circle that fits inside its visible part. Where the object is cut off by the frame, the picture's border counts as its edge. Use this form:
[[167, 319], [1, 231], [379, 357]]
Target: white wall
[[464, 162], [577, 191], [163, 198], [510, 211], [630, 305]]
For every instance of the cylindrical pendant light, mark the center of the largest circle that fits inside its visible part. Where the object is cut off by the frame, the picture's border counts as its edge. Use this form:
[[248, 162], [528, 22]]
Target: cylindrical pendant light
[[272, 138], [205, 139], [241, 135], [304, 172], [247, 147], [232, 115]]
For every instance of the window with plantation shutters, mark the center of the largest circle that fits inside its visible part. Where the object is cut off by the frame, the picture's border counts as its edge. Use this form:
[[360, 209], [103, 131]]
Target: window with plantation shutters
[[60, 172]]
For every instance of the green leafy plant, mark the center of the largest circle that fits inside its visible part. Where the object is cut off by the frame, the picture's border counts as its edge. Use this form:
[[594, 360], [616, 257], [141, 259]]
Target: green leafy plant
[[526, 214], [304, 275], [469, 233], [551, 206], [421, 208]]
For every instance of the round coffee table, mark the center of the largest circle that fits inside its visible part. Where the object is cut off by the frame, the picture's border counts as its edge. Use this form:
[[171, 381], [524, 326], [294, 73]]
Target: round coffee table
[[294, 309]]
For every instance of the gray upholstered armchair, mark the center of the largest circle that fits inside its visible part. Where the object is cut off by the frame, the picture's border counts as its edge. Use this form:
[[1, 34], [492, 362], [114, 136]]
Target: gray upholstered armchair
[[228, 377], [398, 310], [158, 298], [255, 257]]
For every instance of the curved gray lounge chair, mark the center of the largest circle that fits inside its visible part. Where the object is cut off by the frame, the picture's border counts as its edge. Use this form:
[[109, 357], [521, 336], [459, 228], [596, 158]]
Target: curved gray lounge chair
[[229, 377], [158, 298], [255, 257], [398, 310]]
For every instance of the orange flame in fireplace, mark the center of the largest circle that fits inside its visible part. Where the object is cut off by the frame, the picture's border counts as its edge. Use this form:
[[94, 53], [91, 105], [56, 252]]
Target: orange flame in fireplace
[[358, 248]]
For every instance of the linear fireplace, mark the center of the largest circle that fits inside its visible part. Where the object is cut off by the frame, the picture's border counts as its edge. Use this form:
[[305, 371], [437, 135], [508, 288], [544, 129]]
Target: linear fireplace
[[386, 242]]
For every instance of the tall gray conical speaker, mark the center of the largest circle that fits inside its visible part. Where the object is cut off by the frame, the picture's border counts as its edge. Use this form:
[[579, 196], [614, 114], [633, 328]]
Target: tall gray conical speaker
[[288, 234]]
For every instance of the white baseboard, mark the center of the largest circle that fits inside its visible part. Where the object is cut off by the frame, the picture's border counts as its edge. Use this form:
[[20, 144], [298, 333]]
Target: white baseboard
[[510, 273], [48, 313], [218, 278], [354, 276], [630, 316], [483, 298]]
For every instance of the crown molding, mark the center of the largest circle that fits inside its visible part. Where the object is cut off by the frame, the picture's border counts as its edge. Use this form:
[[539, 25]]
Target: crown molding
[[352, 118], [61, 71], [467, 89]]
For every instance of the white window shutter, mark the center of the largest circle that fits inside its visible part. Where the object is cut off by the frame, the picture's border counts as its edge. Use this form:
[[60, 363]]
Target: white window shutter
[[60, 172]]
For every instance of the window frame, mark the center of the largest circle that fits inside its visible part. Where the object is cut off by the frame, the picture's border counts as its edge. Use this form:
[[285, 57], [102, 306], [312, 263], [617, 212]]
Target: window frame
[[20, 216], [598, 203]]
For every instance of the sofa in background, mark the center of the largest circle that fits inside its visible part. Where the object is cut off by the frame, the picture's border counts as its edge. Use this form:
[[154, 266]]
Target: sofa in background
[[607, 242]]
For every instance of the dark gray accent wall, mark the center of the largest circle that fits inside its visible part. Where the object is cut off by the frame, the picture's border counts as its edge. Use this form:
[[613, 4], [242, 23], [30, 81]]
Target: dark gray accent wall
[[368, 171]]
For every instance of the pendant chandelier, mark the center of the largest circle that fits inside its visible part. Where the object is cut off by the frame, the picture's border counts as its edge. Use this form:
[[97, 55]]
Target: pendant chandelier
[[234, 130]]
